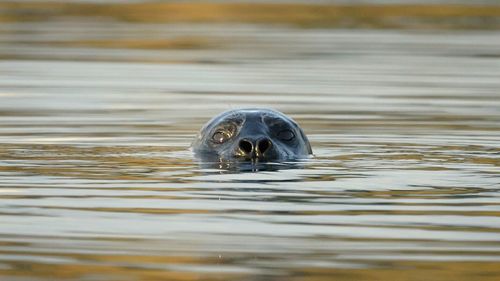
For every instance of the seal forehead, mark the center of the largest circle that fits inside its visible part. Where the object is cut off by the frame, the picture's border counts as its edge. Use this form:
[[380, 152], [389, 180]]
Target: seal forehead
[[233, 116], [229, 116], [263, 114], [252, 115]]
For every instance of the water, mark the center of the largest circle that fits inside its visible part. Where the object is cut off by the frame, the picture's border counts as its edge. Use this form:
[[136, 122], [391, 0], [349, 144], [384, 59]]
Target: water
[[97, 181]]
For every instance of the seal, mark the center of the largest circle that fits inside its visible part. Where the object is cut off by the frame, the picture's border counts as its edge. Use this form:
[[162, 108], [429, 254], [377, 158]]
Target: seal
[[252, 135]]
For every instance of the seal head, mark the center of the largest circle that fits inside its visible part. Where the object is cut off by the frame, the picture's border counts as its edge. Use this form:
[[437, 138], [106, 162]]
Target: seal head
[[254, 134]]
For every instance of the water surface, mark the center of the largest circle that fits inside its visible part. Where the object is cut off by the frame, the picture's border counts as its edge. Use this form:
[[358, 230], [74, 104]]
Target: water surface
[[97, 181]]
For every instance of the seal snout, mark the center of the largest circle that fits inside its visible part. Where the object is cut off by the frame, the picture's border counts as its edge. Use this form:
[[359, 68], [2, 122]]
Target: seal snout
[[250, 148]]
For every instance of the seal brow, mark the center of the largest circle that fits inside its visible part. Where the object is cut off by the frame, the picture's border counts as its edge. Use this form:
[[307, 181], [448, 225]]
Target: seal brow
[[274, 121], [236, 118]]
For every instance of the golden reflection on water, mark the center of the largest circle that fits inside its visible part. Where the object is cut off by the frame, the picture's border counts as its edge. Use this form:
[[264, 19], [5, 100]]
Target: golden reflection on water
[[100, 268], [174, 43], [410, 271], [298, 14]]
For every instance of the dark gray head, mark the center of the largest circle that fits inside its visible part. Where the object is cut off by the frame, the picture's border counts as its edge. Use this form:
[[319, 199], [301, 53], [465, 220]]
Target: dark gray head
[[252, 134]]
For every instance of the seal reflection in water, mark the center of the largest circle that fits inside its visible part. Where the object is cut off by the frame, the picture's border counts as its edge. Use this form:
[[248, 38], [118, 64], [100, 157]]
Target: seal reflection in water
[[246, 137]]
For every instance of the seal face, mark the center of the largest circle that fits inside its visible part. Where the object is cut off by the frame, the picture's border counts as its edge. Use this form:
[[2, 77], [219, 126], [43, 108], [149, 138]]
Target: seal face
[[252, 135]]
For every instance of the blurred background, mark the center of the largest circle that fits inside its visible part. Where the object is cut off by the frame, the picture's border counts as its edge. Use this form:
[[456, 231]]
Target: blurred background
[[99, 102]]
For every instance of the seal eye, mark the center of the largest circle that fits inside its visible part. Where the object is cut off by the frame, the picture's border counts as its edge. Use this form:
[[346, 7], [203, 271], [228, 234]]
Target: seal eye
[[286, 135], [223, 133], [221, 137]]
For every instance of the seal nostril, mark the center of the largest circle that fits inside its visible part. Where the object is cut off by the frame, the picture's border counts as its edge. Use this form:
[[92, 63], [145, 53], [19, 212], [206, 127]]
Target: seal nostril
[[246, 146], [264, 145]]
